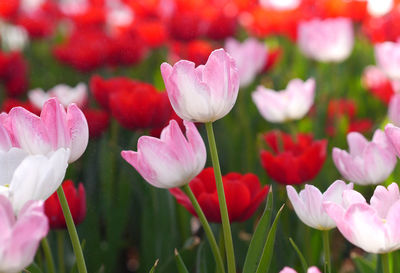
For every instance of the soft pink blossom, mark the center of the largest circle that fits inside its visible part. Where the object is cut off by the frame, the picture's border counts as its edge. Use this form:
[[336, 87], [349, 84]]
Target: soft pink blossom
[[55, 128], [20, 237], [312, 269], [327, 40], [290, 104], [280, 4], [394, 109], [366, 162], [171, 161], [387, 57], [250, 58], [393, 135], [204, 93], [373, 227], [308, 203]]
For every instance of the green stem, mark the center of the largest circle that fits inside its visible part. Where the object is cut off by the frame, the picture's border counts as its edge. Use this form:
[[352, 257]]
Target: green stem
[[80, 260], [48, 255], [230, 255], [327, 252], [207, 228], [385, 263], [60, 251]]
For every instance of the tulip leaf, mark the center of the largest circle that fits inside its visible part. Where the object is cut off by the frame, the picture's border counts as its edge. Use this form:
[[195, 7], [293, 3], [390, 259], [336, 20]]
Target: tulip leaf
[[33, 268], [180, 263], [266, 256], [301, 257], [153, 269], [259, 237], [363, 265]]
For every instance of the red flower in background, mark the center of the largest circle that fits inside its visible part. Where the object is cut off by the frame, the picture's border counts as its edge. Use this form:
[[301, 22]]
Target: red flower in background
[[9, 8], [196, 51], [10, 103], [378, 84], [383, 28], [273, 57], [76, 199], [98, 121], [13, 73], [243, 194], [292, 161]]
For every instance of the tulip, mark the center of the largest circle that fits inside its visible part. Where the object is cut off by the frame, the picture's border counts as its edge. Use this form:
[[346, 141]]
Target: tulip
[[205, 93], [244, 195], [393, 134], [387, 57], [171, 161], [76, 201], [20, 236], [54, 129], [31, 177], [312, 269], [308, 203], [280, 4], [63, 93], [297, 161], [378, 83], [250, 57], [372, 227], [290, 104], [394, 109], [367, 162], [329, 40]]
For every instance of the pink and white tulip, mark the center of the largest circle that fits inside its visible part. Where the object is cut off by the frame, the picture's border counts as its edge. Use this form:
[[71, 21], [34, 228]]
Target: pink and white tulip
[[328, 40], [393, 134], [25, 177], [394, 109], [63, 93], [367, 162], [308, 203], [54, 129], [250, 57], [20, 237], [290, 104], [373, 227], [387, 57], [171, 161], [204, 93], [312, 269]]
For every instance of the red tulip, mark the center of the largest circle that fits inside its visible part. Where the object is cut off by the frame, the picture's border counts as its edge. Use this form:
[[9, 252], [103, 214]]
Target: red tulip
[[98, 121], [76, 201], [10, 103], [293, 161], [13, 73], [243, 194]]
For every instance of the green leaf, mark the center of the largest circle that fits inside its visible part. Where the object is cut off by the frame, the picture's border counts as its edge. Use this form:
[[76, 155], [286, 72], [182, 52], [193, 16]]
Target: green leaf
[[266, 256], [33, 268], [363, 265], [301, 257], [179, 263], [259, 237], [153, 269]]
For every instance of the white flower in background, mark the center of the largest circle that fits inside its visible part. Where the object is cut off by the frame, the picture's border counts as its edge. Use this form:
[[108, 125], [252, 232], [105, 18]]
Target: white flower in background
[[280, 4], [29, 6], [73, 7], [13, 37]]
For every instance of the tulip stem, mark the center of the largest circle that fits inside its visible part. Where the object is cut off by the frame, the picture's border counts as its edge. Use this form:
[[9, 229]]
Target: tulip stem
[[49, 256], [385, 263], [207, 228], [327, 252], [60, 251], [80, 260], [230, 255]]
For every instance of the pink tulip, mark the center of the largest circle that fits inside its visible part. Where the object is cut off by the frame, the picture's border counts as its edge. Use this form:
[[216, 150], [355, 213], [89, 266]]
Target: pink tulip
[[328, 40], [393, 135], [394, 109], [171, 161], [368, 162], [63, 93], [290, 104], [373, 227], [20, 237], [205, 93], [308, 203], [312, 269], [250, 57], [54, 129], [387, 57]]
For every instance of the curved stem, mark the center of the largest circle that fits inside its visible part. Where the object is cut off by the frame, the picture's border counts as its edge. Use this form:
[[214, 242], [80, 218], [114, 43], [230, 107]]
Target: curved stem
[[48, 255], [80, 260], [327, 251], [207, 229], [385, 263], [230, 255], [60, 251]]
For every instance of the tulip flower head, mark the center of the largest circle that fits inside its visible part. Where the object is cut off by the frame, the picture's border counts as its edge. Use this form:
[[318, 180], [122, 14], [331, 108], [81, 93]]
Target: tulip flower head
[[290, 104], [171, 161], [308, 203], [393, 135], [394, 109], [373, 227], [243, 193], [20, 236], [312, 269], [366, 162], [328, 40], [250, 57], [205, 93], [387, 55], [376, 81]]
